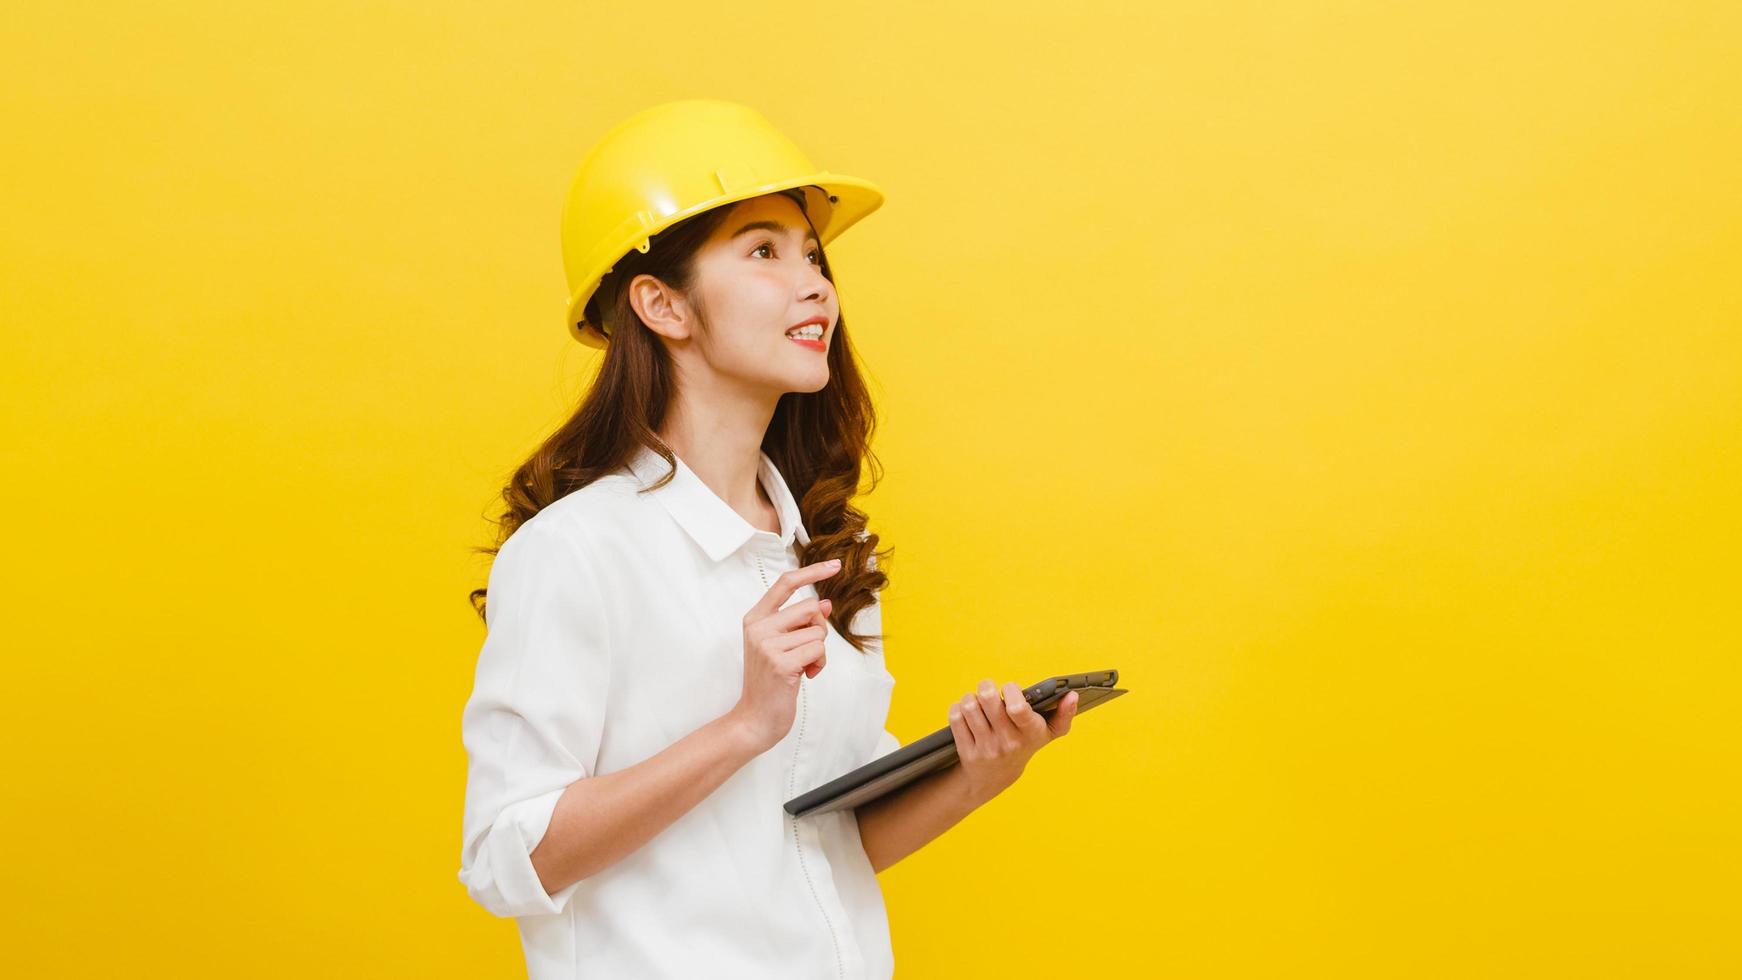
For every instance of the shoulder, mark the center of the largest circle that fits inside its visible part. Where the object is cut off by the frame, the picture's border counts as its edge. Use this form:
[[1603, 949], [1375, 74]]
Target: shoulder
[[597, 514], [569, 547]]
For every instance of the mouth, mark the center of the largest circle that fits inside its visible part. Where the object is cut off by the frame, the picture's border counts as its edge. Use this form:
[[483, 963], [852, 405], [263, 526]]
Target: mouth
[[809, 334]]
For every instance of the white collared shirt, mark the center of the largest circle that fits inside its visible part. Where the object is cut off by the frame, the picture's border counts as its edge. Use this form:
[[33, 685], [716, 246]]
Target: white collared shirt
[[615, 628]]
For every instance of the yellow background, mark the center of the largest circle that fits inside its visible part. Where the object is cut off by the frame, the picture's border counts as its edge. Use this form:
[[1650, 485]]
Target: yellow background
[[1363, 381]]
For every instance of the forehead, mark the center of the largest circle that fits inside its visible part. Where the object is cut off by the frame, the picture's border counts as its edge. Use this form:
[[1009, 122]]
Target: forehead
[[775, 208]]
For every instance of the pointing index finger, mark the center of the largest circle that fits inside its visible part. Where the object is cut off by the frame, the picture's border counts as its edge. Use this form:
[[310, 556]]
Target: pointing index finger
[[788, 582]]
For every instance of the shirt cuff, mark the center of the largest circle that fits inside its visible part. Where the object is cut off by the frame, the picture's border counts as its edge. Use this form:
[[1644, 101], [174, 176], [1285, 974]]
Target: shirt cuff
[[508, 849]]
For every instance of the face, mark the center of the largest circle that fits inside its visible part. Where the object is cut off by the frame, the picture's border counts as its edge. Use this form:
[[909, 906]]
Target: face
[[754, 285]]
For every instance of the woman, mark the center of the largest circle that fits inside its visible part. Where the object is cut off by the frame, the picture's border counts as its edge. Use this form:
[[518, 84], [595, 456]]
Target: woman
[[683, 612]]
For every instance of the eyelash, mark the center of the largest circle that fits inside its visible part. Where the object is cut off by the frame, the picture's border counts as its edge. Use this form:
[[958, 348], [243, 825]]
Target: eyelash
[[764, 245]]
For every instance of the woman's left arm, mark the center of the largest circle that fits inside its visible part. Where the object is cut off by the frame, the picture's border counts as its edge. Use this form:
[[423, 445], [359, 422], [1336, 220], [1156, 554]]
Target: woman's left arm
[[995, 738]]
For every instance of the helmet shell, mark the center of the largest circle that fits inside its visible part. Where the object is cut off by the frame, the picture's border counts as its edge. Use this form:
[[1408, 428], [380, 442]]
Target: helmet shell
[[675, 160]]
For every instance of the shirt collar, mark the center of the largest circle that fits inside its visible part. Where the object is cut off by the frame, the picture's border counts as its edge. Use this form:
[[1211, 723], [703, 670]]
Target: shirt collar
[[712, 522]]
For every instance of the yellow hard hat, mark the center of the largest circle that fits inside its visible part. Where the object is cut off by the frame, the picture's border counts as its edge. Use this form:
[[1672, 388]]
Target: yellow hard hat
[[675, 160]]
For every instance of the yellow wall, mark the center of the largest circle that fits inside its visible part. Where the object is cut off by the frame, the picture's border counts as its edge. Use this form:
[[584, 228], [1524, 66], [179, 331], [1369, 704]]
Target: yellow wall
[[1362, 381]]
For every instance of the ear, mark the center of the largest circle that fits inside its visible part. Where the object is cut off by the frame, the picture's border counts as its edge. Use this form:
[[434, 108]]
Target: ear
[[661, 307]]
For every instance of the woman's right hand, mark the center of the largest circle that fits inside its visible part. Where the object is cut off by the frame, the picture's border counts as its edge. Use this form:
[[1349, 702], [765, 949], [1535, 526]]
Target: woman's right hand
[[779, 645]]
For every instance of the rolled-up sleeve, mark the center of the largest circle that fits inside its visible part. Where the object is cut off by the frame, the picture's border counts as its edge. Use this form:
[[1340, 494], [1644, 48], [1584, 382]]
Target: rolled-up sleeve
[[535, 718]]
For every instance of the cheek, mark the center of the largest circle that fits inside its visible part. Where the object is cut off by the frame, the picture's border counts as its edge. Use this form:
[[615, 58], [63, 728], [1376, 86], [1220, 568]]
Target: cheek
[[755, 304]]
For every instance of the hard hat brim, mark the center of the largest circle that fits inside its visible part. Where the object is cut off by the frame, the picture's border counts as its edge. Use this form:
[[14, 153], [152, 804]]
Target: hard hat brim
[[840, 204]]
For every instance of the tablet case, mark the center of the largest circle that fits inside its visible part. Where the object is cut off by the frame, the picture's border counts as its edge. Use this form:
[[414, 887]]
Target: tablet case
[[938, 750]]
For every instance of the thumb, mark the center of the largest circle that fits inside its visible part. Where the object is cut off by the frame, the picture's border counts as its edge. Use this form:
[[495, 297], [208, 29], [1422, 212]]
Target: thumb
[[1060, 722]]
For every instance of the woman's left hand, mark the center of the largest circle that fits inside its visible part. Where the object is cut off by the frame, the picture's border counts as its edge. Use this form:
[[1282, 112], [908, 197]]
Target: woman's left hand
[[997, 732]]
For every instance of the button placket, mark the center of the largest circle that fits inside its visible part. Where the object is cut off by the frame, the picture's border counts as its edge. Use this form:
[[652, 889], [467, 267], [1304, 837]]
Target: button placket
[[812, 860]]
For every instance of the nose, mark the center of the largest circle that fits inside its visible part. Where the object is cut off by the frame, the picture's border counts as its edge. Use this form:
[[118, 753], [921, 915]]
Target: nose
[[816, 285]]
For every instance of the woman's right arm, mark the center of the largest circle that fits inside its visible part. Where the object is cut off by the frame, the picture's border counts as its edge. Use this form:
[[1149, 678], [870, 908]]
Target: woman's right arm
[[535, 720], [600, 820]]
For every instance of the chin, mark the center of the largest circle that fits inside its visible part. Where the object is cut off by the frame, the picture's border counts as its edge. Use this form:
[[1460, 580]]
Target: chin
[[808, 385], [812, 387]]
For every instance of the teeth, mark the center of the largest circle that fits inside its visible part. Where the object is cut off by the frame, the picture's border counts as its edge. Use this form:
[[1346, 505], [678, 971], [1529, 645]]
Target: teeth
[[813, 331]]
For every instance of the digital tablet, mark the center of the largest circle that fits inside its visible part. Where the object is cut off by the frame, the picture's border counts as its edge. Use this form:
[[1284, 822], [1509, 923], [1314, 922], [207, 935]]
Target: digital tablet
[[938, 750]]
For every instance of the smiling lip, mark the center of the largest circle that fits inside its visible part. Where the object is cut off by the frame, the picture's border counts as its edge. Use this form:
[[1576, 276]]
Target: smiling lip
[[819, 345]]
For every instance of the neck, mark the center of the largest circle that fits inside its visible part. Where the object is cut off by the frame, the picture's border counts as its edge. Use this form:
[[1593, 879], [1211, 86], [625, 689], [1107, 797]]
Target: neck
[[721, 443]]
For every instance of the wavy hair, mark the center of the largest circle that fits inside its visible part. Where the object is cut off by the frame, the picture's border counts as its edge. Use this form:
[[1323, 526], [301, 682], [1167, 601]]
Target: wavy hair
[[820, 441]]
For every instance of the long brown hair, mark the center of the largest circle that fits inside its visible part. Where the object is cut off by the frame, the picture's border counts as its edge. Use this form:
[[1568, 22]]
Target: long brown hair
[[819, 440]]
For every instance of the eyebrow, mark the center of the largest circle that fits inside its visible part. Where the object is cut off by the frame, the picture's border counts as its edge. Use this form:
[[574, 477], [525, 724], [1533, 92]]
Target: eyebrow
[[776, 226]]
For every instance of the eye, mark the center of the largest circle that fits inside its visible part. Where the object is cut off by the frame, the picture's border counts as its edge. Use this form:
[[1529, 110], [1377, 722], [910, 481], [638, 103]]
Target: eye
[[815, 251]]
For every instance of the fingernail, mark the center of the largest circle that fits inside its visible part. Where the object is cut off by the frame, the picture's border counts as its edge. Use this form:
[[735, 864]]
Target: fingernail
[[986, 687], [834, 563]]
